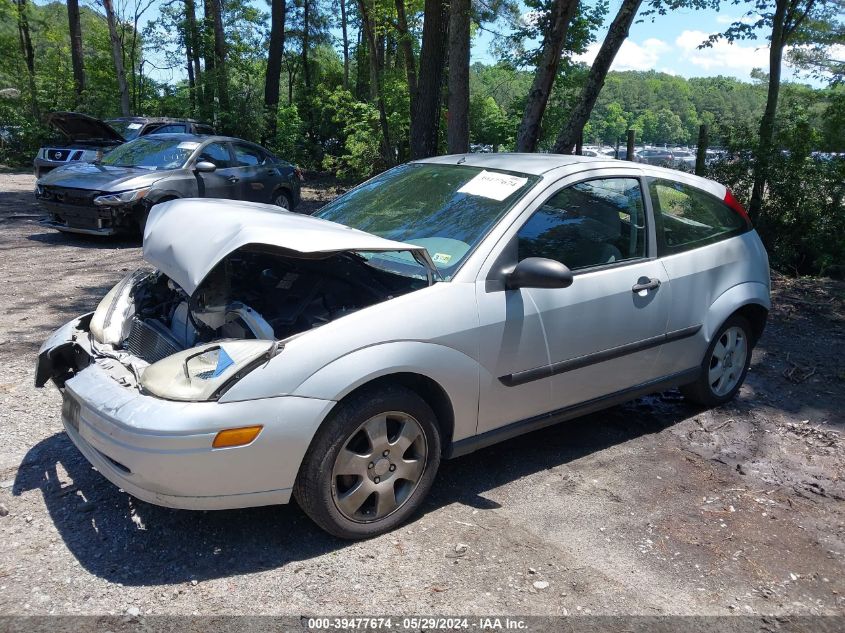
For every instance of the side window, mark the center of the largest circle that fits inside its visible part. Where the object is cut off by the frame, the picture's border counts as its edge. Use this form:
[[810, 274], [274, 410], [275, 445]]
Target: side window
[[246, 156], [215, 153], [204, 129], [588, 224], [170, 128], [687, 217]]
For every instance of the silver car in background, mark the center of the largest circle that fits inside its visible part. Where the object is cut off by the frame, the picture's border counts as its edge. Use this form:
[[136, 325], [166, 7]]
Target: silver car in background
[[438, 308]]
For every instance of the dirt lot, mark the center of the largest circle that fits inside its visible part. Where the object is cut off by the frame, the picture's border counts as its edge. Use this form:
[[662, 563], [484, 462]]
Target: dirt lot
[[651, 508]]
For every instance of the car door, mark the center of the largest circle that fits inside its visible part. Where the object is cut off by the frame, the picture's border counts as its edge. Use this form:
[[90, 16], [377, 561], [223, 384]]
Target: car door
[[603, 333], [252, 169], [222, 182], [694, 230]]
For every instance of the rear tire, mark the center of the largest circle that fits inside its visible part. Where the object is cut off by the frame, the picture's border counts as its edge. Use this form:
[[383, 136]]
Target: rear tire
[[725, 365], [371, 464]]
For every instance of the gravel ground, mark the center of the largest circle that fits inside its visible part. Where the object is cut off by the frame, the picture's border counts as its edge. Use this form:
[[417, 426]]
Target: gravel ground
[[651, 508]]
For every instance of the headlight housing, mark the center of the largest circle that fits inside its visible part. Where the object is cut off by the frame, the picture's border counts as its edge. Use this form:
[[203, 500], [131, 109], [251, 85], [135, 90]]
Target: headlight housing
[[113, 317], [125, 197], [200, 373]]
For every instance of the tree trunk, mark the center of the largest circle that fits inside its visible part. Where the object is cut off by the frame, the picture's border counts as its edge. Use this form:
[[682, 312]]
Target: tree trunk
[[133, 61], [345, 34], [76, 49], [207, 39], [220, 74], [306, 20], [529, 130], [274, 66], [193, 47], [117, 57], [29, 57], [369, 32], [457, 128], [767, 123], [362, 66], [425, 115], [580, 114], [192, 81], [406, 44]]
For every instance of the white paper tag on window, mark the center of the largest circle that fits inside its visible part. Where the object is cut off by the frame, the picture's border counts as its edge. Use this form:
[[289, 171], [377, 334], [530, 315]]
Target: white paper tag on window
[[493, 185], [133, 126], [191, 145]]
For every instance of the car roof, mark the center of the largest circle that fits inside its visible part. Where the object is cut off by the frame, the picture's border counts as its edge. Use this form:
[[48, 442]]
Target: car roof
[[185, 136], [539, 164], [533, 164], [156, 119]]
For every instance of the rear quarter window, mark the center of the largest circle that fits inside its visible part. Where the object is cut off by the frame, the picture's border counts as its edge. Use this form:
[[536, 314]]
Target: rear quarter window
[[688, 218]]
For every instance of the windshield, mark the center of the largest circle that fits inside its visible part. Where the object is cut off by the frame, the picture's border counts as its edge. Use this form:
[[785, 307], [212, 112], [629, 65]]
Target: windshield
[[151, 152], [448, 209], [127, 129]]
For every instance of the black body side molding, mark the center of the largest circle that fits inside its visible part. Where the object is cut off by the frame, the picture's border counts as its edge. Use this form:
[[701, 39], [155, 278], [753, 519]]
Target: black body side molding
[[522, 377], [470, 444]]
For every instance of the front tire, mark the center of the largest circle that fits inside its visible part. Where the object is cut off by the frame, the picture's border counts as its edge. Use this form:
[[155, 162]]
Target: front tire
[[371, 464], [283, 200], [725, 365]]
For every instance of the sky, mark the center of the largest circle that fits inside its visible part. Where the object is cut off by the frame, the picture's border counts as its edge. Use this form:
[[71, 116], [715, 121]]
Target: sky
[[667, 44], [670, 45]]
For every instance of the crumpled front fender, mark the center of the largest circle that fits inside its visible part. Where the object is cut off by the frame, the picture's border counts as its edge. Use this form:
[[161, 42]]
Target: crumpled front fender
[[64, 352]]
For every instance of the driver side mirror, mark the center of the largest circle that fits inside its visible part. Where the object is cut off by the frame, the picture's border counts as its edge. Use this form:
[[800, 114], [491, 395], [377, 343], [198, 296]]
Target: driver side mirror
[[205, 167], [539, 272]]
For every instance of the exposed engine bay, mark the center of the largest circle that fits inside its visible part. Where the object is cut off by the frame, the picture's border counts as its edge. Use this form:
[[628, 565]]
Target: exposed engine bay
[[251, 294]]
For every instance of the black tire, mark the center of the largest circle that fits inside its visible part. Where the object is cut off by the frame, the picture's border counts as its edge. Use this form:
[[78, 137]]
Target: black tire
[[315, 488], [144, 213], [281, 198], [141, 221], [702, 391]]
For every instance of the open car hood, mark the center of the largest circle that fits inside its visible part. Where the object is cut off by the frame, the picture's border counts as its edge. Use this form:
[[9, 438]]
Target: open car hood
[[81, 127], [187, 238]]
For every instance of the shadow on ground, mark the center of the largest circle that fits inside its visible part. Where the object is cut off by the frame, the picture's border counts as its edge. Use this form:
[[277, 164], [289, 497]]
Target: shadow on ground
[[121, 539], [94, 242]]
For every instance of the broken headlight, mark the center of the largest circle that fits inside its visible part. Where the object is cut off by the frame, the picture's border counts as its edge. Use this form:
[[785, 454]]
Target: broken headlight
[[201, 372], [113, 317], [125, 197]]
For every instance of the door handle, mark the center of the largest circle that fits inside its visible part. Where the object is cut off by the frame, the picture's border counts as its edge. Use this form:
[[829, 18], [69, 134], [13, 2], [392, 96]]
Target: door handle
[[649, 284], [233, 179]]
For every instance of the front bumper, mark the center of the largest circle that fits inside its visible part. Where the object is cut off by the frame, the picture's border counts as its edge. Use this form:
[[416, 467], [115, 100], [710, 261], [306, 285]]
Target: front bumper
[[160, 451], [88, 220]]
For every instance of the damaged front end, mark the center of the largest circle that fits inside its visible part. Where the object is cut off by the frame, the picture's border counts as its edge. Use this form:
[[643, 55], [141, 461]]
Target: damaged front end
[[92, 212], [210, 312]]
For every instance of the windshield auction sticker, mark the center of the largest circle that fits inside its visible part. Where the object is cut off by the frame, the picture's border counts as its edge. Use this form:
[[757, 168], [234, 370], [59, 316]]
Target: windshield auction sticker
[[493, 185], [192, 145]]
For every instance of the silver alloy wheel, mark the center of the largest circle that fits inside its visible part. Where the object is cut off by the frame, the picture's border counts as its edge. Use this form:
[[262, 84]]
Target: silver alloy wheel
[[727, 360], [281, 200], [379, 467]]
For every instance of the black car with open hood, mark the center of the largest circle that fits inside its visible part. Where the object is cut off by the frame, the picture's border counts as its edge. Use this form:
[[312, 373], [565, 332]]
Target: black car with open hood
[[83, 138]]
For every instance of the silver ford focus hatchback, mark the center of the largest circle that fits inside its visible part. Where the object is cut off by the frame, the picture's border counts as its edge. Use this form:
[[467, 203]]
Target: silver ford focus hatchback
[[438, 308]]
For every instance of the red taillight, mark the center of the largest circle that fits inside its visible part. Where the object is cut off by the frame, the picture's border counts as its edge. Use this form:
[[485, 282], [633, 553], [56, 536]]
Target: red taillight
[[734, 204], [299, 174]]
